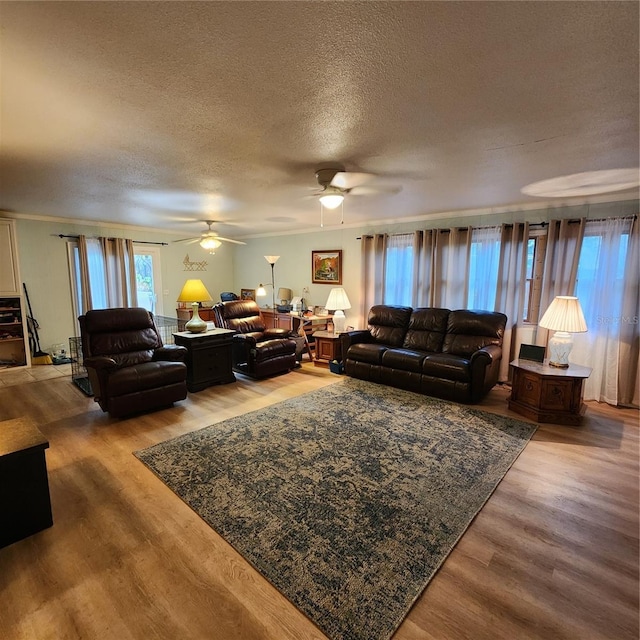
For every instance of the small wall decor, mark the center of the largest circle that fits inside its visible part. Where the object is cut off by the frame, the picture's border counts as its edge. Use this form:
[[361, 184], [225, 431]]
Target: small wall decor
[[247, 294], [326, 267], [194, 266]]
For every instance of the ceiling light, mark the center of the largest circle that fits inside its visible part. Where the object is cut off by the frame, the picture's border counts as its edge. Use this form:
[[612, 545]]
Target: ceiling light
[[585, 184], [331, 197], [210, 244]]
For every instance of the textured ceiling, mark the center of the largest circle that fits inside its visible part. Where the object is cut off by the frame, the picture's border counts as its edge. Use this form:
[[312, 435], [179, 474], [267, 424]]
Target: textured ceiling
[[161, 113]]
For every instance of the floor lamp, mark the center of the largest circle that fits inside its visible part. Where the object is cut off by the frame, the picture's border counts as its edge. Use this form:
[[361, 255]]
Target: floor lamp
[[261, 290]]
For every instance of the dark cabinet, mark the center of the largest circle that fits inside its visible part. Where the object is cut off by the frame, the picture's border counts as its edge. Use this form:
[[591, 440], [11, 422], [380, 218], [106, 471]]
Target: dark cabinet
[[209, 357]]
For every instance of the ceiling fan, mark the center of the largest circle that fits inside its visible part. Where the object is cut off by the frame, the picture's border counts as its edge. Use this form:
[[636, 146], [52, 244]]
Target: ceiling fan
[[337, 183], [209, 240]]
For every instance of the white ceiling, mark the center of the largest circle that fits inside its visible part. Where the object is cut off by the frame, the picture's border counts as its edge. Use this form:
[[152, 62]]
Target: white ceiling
[[162, 114]]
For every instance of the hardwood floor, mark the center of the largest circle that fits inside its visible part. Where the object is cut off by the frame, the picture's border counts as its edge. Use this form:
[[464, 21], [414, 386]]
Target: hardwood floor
[[552, 555]]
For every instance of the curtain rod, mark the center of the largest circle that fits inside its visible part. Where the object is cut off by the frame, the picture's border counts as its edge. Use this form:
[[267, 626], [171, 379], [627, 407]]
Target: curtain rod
[[164, 244], [576, 220], [445, 230]]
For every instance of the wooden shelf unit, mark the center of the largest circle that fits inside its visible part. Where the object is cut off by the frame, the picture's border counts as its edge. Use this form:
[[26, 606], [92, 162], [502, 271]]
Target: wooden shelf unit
[[13, 330]]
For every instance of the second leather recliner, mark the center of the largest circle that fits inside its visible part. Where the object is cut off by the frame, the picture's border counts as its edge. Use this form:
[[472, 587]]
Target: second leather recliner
[[257, 351]]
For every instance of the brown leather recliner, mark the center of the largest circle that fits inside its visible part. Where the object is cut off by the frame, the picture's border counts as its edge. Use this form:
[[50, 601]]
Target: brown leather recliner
[[257, 351], [129, 368]]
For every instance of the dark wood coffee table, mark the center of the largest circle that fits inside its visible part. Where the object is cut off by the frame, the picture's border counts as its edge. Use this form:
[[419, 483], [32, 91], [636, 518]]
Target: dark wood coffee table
[[25, 505]]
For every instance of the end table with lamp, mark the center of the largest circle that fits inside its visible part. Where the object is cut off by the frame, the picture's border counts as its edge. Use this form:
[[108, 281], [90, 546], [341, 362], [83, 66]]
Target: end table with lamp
[[551, 391]]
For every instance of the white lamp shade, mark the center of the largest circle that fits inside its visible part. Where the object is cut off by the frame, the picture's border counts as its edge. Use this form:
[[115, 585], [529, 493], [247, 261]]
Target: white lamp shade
[[564, 314], [272, 259], [338, 299], [194, 291], [261, 291]]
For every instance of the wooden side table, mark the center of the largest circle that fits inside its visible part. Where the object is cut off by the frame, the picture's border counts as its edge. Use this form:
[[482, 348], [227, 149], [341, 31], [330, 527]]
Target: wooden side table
[[328, 348], [548, 394], [25, 505], [209, 357]]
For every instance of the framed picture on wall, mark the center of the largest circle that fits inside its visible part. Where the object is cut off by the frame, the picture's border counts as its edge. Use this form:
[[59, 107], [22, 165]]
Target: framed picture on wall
[[326, 267], [247, 294]]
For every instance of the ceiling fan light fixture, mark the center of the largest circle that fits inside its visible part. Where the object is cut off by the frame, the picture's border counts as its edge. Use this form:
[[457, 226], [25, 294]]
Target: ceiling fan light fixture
[[331, 198], [210, 244]]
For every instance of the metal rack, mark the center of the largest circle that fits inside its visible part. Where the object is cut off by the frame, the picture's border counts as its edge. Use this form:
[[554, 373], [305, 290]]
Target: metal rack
[[79, 375]]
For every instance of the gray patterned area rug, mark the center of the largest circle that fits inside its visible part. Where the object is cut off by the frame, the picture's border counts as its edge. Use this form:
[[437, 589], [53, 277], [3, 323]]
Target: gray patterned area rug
[[347, 499]]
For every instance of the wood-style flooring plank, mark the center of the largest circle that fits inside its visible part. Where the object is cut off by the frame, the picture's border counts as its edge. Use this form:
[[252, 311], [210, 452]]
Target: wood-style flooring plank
[[553, 554]]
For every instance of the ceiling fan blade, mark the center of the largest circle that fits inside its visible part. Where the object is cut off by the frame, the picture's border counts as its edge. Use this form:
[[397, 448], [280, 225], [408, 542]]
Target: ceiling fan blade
[[373, 190], [350, 180], [189, 240], [230, 240]]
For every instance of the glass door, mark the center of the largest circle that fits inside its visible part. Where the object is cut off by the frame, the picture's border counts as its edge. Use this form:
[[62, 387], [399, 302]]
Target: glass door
[[148, 278]]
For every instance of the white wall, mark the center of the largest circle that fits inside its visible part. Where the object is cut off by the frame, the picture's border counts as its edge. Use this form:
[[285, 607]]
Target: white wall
[[43, 259]]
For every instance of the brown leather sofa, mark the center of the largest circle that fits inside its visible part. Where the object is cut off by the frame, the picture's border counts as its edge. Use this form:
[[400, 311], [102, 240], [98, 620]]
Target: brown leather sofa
[[453, 355], [129, 368], [257, 351]]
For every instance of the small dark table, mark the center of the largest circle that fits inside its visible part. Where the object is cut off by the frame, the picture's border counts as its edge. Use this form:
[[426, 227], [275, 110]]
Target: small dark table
[[208, 358], [548, 394], [25, 505]]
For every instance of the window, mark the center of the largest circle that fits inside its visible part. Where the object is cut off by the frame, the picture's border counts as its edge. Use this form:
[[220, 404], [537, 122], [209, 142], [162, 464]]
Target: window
[[148, 276], [536, 246], [602, 263], [483, 268], [398, 272]]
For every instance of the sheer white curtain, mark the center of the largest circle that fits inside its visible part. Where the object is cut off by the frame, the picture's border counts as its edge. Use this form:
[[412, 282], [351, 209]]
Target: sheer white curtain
[[399, 262], [483, 267], [629, 367], [601, 280]]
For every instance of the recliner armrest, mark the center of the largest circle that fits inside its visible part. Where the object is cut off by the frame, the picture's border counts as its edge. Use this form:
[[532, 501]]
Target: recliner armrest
[[170, 353], [270, 334], [244, 339], [100, 362]]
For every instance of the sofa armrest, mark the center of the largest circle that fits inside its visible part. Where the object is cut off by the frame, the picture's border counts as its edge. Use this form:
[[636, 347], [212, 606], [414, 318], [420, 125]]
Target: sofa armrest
[[100, 362], [170, 353], [485, 369], [353, 337], [489, 353]]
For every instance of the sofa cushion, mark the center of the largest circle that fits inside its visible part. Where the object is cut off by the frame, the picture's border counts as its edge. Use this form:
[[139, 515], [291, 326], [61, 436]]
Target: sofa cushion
[[367, 352], [404, 359], [447, 366], [388, 324], [468, 331], [427, 327]]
